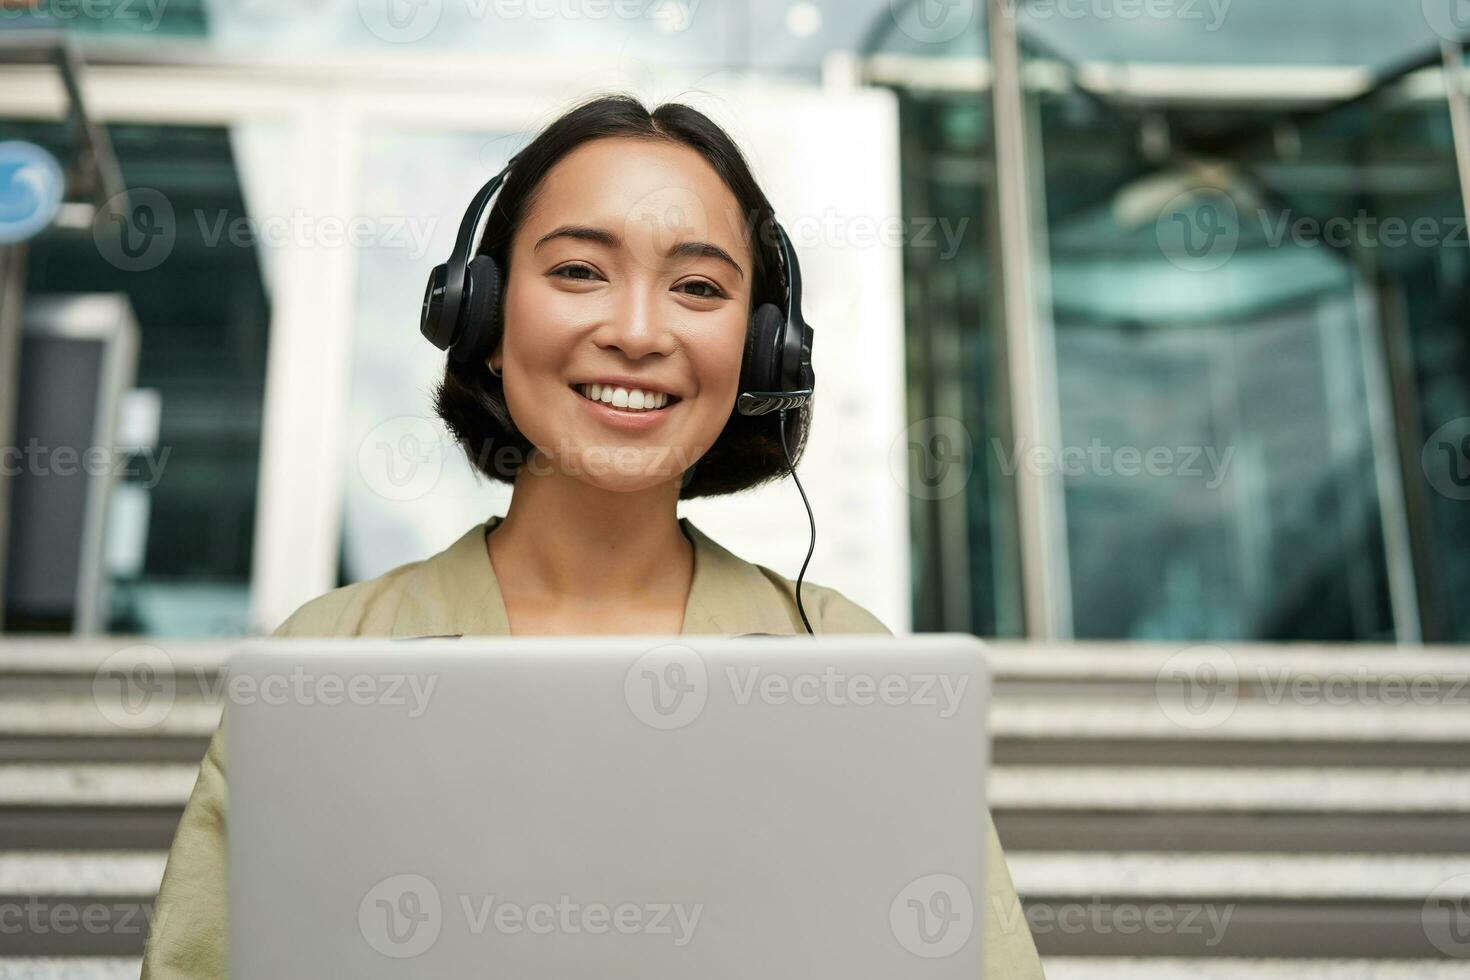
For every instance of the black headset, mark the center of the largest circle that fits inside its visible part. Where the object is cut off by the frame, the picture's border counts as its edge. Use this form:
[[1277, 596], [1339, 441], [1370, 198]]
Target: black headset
[[463, 314]]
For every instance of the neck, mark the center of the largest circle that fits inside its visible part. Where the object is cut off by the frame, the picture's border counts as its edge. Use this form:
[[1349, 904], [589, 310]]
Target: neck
[[562, 539]]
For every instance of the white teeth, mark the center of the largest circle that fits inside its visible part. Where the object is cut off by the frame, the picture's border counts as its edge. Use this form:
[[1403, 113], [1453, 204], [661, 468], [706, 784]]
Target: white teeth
[[632, 399]]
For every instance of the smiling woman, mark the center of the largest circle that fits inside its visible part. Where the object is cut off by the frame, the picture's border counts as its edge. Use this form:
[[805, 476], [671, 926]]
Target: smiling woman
[[634, 252], [626, 243], [619, 300]]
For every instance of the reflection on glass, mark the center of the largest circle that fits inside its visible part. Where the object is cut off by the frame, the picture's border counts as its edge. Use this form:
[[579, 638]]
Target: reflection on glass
[[1234, 294], [183, 518], [1262, 373], [965, 573]]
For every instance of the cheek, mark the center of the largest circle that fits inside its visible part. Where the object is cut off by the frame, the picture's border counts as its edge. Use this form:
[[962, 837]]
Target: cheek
[[536, 341], [717, 355], [542, 334]]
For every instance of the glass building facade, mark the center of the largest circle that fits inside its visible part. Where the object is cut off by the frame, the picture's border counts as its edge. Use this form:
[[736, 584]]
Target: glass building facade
[[1185, 304], [1247, 258]]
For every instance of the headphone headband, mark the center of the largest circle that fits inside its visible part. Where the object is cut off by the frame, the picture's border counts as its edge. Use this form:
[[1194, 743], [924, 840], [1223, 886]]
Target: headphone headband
[[790, 273]]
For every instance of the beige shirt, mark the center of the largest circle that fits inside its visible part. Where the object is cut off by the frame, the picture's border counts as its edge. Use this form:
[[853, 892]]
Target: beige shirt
[[454, 593]]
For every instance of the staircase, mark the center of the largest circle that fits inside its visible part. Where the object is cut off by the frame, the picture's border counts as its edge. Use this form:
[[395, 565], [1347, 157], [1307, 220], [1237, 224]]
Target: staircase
[[1240, 811]]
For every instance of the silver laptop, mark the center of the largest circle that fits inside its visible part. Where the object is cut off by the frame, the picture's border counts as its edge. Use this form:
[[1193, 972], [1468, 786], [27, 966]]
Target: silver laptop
[[659, 808]]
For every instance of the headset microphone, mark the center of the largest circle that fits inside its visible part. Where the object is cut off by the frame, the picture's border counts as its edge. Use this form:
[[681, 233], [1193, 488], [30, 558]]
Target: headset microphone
[[462, 313]]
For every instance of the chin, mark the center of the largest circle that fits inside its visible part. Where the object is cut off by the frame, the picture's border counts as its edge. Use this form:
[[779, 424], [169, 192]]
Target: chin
[[621, 467]]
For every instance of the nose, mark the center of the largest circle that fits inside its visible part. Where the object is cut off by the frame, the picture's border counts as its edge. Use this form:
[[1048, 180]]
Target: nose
[[640, 325]]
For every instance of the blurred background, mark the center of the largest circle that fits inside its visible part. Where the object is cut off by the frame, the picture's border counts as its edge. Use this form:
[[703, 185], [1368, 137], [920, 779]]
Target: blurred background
[[1143, 338]]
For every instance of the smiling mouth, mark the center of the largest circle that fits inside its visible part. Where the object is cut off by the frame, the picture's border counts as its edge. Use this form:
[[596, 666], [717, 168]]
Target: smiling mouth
[[634, 401]]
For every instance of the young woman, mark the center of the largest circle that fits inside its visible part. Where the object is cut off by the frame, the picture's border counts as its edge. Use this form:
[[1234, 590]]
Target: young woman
[[634, 247]]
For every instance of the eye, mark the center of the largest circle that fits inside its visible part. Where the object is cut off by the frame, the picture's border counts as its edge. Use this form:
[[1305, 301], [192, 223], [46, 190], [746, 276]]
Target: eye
[[715, 292], [575, 267]]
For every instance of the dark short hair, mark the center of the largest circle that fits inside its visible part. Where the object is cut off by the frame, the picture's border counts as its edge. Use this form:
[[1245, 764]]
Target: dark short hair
[[471, 400]]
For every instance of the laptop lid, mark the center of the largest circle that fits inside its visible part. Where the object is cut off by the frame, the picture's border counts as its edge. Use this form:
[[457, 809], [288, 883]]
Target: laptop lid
[[609, 807]]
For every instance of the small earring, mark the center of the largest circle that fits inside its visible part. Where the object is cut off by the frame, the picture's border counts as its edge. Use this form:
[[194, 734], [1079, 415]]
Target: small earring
[[491, 367]]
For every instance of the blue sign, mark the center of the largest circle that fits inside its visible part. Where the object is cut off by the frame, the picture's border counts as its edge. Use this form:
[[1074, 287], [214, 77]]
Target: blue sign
[[32, 187]]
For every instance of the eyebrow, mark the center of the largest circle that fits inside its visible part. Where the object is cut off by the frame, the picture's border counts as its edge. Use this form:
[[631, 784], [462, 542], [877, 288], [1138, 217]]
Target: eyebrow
[[601, 236]]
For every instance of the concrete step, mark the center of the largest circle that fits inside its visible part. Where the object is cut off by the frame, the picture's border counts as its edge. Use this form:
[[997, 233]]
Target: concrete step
[[1256, 905], [1052, 875], [150, 827], [1305, 831], [1260, 875], [1015, 716], [1069, 788], [1267, 809], [1142, 968], [70, 968], [1057, 968]]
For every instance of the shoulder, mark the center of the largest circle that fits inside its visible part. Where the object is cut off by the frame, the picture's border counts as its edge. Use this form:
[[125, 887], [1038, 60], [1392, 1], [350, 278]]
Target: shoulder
[[754, 598], [828, 609], [451, 593], [367, 608], [442, 595]]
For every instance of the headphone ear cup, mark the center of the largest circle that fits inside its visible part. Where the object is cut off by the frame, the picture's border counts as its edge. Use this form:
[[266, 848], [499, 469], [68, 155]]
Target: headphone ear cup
[[760, 369], [480, 311]]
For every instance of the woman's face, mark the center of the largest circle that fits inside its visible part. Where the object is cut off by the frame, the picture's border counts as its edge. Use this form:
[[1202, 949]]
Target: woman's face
[[631, 271]]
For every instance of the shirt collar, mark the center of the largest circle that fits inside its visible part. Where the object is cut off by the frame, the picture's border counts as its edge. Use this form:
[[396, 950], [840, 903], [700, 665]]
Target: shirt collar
[[455, 592]]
